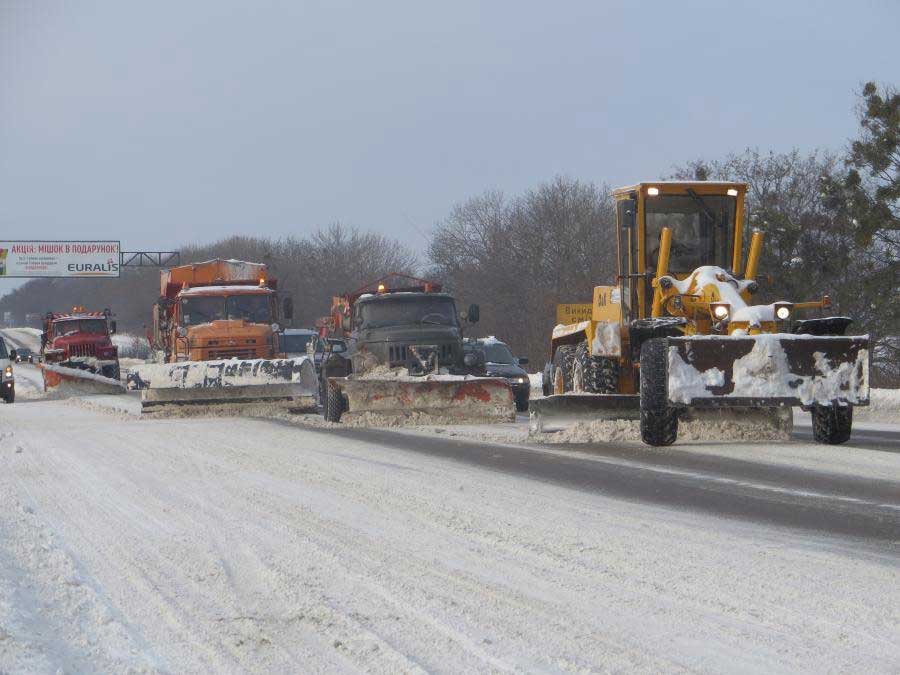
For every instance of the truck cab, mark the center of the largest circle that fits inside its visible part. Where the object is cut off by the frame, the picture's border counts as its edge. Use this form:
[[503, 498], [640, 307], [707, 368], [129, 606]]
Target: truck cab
[[220, 309], [81, 340]]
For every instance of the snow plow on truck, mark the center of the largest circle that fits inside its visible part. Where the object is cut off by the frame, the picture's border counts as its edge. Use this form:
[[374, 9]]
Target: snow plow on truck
[[680, 334], [404, 356], [77, 348], [216, 334]]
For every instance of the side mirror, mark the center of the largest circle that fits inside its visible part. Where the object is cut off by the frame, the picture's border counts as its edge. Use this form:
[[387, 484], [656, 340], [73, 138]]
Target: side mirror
[[287, 308], [474, 313], [13, 355], [523, 361], [112, 327], [345, 323], [339, 347]]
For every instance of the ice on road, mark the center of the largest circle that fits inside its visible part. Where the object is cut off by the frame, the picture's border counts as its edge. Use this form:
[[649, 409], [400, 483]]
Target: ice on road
[[238, 544]]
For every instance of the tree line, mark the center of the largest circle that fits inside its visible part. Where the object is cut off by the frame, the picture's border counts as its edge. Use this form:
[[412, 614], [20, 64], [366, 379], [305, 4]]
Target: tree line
[[831, 223]]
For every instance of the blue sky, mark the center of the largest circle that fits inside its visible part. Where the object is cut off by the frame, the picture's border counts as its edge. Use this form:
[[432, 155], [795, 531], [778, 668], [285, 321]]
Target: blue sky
[[164, 123]]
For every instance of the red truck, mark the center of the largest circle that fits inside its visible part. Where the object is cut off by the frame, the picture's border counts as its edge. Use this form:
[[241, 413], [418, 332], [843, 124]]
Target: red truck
[[81, 340]]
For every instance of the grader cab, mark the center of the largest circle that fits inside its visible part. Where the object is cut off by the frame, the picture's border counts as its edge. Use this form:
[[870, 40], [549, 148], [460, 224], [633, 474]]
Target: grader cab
[[680, 331]]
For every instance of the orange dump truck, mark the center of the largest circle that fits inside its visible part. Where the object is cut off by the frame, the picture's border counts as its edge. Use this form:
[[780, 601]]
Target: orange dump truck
[[216, 329]]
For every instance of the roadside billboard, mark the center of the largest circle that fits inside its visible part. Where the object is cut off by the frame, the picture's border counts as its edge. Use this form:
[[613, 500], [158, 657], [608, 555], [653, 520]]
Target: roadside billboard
[[28, 259]]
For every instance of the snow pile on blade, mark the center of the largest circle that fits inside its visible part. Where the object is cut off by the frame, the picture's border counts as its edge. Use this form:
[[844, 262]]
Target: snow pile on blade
[[225, 381], [80, 381], [447, 398], [806, 369]]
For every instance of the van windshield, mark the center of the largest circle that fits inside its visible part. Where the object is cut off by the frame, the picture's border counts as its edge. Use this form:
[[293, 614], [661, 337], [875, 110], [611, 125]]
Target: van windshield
[[497, 352]]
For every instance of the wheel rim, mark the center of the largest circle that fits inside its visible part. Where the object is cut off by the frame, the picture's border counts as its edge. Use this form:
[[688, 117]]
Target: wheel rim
[[559, 382], [578, 378]]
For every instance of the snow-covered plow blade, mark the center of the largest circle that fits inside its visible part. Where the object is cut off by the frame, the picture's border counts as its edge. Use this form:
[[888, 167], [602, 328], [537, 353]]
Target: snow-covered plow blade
[[471, 399], [229, 381], [77, 380], [768, 370], [560, 412]]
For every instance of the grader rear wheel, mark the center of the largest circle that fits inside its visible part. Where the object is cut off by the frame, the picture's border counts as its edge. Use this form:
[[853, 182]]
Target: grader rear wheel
[[594, 374]]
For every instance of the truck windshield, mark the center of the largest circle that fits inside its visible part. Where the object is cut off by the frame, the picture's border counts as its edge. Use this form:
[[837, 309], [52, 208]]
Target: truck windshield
[[252, 308], [497, 352], [400, 310], [80, 326], [702, 230], [202, 309]]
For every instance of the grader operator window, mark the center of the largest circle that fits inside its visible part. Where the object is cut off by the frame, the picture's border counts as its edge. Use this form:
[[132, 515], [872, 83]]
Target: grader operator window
[[702, 230]]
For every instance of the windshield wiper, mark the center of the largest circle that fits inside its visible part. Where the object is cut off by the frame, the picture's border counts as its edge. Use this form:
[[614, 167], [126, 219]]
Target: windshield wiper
[[708, 212]]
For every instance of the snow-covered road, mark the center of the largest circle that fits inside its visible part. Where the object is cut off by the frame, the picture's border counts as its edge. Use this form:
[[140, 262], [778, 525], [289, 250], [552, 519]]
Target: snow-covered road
[[237, 544]]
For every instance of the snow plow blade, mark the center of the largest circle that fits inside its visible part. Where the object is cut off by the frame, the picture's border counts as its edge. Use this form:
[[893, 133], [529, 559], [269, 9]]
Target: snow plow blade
[[223, 382], [467, 400], [79, 381], [556, 413], [768, 370]]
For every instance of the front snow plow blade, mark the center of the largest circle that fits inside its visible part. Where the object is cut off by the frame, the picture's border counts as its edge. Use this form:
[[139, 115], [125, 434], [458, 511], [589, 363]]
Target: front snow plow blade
[[228, 381], [768, 370], [473, 399], [78, 381], [562, 411]]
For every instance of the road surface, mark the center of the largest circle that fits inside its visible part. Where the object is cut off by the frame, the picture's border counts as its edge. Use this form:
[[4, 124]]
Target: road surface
[[241, 544]]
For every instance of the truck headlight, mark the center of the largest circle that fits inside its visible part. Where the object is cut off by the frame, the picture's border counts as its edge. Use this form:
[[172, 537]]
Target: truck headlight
[[783, 311], [720, 310]]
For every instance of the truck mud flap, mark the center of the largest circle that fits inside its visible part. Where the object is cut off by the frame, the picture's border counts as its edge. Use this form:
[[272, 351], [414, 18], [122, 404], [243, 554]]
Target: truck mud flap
[[768, 370], [560, 412], [221, 382], [469, 400], [77, 381]]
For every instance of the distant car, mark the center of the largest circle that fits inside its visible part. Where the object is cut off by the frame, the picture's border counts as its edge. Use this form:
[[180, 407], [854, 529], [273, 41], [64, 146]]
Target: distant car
[[496, 360], [24, 354]]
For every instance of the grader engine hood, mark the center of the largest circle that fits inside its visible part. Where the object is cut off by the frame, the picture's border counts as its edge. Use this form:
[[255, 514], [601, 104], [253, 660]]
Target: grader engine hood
[[768, 369]]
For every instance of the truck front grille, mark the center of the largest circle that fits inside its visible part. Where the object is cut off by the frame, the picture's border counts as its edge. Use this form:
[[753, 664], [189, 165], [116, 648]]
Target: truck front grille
[[89, 349], [400, 354]]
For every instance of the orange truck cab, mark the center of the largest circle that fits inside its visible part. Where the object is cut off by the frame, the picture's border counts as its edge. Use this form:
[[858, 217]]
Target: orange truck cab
[[219, 309]]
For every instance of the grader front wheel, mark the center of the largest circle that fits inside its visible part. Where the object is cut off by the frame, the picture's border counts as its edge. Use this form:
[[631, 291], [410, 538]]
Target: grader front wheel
[[659, 420], [832, 424]]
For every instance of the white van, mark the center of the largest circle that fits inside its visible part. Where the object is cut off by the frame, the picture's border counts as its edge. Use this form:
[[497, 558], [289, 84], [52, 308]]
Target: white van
[[7, 381]]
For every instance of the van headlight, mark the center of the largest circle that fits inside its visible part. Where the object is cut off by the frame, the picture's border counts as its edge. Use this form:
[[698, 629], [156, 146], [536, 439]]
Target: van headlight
[[7, 373]]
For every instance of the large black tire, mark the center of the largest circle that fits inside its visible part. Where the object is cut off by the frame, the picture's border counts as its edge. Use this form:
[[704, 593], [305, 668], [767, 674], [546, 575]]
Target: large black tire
[[334, 403], [832, 424], [522, 402], [659, 420], [594, 374], [10, 397], [563, 369], [112, 372]]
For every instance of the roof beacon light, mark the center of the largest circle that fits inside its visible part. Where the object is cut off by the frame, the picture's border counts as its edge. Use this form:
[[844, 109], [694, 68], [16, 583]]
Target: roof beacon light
[[652, 192], [262, 281], [732, 192], [381, 288]]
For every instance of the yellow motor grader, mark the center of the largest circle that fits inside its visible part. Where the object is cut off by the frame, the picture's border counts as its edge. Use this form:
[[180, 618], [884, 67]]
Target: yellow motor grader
[[680, 332]]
